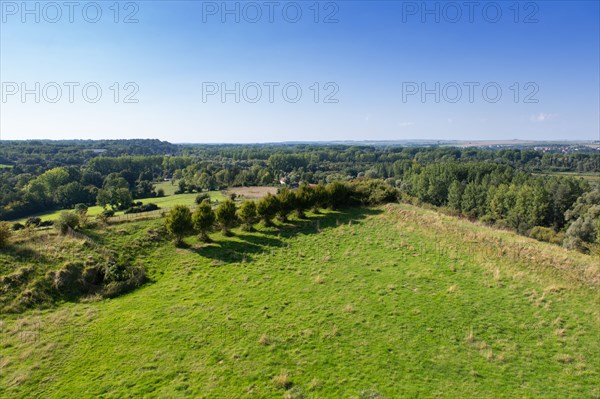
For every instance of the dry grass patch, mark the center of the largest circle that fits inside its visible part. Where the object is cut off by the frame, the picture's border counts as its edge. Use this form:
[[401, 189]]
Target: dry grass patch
[[282, 381], [264, 340], [565, 358]]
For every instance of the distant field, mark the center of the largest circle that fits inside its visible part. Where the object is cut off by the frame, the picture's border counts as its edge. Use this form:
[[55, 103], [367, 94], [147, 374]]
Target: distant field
[[163, 202], [252, 192], [3, 166], [593, 177], [170, 200], [168, 186], [388, 302]]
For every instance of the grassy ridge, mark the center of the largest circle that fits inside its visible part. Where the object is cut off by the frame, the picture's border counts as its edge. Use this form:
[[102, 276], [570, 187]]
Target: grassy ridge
[[388, 300]]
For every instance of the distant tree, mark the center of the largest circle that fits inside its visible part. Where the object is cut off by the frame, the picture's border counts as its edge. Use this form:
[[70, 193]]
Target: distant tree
[[455, 195], [204, 219], [179, 222], [81, 208], [247, 214], [33, 222], [117, 198], [200, 198], [160, 193], [144, 189], [266, 208]]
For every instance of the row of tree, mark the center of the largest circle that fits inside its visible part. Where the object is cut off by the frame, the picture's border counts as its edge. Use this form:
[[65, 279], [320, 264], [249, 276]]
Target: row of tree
[[181, 221]]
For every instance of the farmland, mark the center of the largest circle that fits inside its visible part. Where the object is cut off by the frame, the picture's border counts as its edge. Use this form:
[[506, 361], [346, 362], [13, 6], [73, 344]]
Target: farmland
[[392, 301], [168, 201]]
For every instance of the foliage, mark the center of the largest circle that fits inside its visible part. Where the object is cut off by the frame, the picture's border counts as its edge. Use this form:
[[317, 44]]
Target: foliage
[[5, 233], [266, 208], [204, 219], [226, 215], [67, 220], [200, 198], [247, 214], [179, 222]]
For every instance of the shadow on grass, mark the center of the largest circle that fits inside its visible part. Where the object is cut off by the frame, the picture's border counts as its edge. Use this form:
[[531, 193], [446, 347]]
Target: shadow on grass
[[242, 246]]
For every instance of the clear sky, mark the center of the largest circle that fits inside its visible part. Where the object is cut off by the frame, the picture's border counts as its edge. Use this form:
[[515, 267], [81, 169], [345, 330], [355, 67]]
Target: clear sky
[[367, 70]]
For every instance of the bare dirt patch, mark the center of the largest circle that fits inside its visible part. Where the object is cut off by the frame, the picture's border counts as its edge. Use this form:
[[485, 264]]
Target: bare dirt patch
[[252, 192]]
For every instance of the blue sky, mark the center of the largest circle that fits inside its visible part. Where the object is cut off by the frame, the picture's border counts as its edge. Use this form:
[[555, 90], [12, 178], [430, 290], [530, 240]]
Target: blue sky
[[370, 61]]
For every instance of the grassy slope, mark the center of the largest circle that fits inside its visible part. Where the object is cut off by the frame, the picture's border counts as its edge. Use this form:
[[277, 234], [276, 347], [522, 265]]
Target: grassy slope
[[394, 302]]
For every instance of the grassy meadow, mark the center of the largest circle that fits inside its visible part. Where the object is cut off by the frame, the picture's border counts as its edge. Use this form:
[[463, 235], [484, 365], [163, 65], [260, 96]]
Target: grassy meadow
[[168, 201], [387, 302]]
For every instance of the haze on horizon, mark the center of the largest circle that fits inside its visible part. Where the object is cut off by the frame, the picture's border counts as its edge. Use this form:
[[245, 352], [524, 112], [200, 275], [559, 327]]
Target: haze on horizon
[[205, 72]]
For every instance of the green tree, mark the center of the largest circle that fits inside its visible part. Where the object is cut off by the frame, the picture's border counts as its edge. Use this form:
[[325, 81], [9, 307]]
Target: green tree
[[267, 208], [455, 195], [226, 216], [247, 214], [287, 203], [305, 199], [204, 219], [179, 222]]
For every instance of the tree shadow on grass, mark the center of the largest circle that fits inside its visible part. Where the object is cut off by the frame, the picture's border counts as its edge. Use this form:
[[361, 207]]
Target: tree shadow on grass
[[243, 246]]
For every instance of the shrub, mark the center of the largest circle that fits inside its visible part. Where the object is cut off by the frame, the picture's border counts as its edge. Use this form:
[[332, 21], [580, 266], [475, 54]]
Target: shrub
[[545, 234], [226, 215], [81, 209], [160, 193], [204, 220], [33, 222], [266, 208], [286, 203], [142, 208], [338, 194], [247, 214], [200, 198], [46, 223], [4, 233], [179, 222], [17, 226], [66, 221]]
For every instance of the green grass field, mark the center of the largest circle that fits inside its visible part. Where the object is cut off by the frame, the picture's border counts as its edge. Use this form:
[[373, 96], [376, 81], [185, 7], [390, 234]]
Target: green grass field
[[4, 166], [591, 177], [169, 201], [390, 302]]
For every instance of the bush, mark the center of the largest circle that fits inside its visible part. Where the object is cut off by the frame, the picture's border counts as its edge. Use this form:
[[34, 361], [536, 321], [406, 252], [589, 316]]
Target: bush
[[17, 226], [47, 223], [545, 234], [33, 222], [247, 214], [266, 208], [179, 222], [160, 193], [4, 233], [226, 215], [142, 208], [67, 220], [200, 198], [81, 209], [204, 219]]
